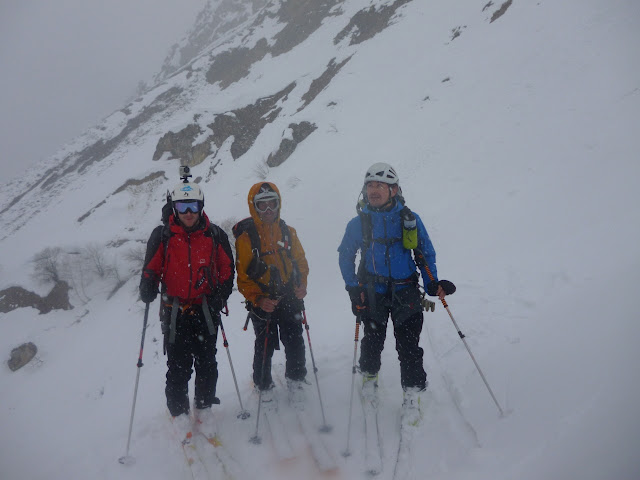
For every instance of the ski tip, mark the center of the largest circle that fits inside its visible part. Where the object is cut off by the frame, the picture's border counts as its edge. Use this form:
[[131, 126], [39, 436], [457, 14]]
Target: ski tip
[[331, 472], [127, 460]]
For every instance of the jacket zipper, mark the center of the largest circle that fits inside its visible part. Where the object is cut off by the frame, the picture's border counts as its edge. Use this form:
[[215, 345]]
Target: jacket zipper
[[189, 263]]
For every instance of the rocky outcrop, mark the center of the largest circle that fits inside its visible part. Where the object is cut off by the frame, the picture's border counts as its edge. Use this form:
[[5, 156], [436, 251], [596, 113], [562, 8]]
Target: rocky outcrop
[[501, 11], [212, 23], [369, 22], [243, 124], [180, 146], [230, 66], [18, 297], [301, 18], [320, 83], [299, 132], [22, 355]]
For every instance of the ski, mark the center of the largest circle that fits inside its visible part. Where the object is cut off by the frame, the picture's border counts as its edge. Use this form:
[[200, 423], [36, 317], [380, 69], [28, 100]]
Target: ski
[[373, 446], [402, 469], [320, 452], [318, 448], [279, 436], [215, 455], [197, 467]]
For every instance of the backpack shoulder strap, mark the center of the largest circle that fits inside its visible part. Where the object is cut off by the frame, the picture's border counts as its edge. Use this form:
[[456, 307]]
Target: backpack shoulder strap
[[249, 226]]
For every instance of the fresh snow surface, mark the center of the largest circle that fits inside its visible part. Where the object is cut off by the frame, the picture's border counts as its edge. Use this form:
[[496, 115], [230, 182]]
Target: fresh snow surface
[[523, 166]]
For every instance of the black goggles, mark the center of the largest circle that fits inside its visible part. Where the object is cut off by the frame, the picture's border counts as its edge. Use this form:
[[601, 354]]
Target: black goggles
[[185, 206]]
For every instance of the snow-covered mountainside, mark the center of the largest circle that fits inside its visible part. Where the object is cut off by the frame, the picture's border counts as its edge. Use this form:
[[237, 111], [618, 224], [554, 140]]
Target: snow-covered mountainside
[[513, 129]]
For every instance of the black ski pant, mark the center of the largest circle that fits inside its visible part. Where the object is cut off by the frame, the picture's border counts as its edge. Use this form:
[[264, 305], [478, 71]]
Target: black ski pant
[[195, 347], [406, 314], [283, 325]]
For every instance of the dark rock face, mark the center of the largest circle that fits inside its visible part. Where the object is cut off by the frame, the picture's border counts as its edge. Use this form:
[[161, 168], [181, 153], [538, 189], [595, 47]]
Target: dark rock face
[[245, 124], [300, 131], [213, 22], [22, 355], [300, 18], [501, 11], [233, 65], [320, 83], [18, 297], [369, 22], [180, 145]]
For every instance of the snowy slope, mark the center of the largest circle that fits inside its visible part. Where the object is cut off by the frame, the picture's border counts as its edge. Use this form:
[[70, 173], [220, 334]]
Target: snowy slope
[[515, 142]]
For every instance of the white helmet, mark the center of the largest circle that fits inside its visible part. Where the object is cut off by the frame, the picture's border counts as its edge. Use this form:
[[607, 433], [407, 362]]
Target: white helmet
[[187, 191], [381, 172], [265, 193]]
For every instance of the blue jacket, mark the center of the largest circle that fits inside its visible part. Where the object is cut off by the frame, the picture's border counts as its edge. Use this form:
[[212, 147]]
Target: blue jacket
[[384, 258]]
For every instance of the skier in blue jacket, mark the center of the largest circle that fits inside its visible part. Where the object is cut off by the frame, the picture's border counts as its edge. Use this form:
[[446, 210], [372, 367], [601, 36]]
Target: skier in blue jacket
[[386, 281]]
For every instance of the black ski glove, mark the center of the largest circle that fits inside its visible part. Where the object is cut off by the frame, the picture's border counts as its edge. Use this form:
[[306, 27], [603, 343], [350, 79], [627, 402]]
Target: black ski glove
[[216, 303], [359, 301], [447, 286], [148, 290]]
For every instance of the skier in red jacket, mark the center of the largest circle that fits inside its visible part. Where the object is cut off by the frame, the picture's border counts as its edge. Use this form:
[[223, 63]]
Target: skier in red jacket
[[192, 260]]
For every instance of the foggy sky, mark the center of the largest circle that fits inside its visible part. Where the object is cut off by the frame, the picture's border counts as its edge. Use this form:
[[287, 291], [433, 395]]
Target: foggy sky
[[66, 64]]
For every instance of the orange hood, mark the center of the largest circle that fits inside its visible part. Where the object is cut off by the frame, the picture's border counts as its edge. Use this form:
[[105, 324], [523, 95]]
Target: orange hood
[[253, 191]]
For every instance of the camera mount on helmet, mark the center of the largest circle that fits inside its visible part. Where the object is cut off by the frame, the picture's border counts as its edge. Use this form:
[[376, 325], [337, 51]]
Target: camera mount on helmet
[[185, 174]]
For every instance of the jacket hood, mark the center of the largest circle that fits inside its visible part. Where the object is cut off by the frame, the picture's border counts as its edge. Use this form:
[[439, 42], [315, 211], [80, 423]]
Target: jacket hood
[[253, 191]]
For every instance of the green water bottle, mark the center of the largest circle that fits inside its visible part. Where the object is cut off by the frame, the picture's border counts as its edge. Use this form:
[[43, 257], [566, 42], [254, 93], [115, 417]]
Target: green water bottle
[[409, 230]]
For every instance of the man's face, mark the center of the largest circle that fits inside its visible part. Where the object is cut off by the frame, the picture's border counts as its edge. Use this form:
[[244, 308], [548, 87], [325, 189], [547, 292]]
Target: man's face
[[268, 210], [379, 193], [189, 219]]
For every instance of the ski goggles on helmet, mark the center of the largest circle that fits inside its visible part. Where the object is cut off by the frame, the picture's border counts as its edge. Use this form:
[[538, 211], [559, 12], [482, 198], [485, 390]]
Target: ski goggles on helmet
[[184, 206], [263, 206]]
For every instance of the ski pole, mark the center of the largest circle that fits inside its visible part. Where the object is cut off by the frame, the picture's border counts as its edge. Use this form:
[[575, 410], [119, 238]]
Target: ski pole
[[244, 414], [256, 438], [462, 336], [347, 452], [325, 428], [128, 459]]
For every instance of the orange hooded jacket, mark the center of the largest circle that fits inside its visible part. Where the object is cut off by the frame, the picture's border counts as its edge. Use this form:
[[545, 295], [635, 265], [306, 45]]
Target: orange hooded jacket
[[270, 251]]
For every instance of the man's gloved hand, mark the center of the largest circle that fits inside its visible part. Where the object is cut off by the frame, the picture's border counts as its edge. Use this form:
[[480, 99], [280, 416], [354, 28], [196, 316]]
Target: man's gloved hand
[[148, 290], [439, 288], [428, 305], [216, 303], [359, 301]]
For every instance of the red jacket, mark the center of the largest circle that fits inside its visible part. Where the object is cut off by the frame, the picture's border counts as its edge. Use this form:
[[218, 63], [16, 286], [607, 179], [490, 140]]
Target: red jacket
[[195, 263]]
